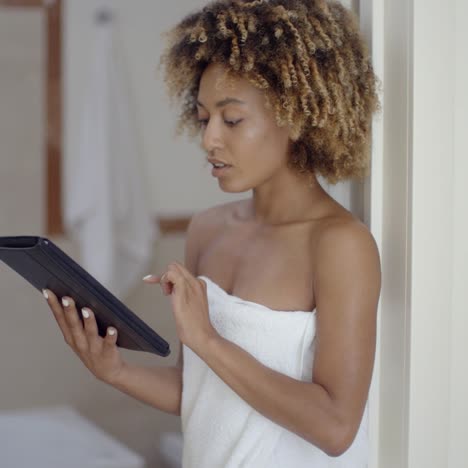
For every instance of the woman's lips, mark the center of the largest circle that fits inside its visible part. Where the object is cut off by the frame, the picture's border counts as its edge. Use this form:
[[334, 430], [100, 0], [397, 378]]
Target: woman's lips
[[220, 171]]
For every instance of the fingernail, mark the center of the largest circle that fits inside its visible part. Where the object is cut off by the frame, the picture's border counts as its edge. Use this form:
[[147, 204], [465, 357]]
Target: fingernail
[[111, 331], [85, 313], [45, 294], [147, 277], [65, 302]]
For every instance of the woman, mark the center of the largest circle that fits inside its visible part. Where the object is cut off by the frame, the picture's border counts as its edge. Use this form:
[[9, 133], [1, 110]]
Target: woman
[[276, 304]]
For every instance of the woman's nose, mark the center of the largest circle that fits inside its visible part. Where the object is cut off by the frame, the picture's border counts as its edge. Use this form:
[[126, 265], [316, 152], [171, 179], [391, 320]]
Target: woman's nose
[[211, 138]]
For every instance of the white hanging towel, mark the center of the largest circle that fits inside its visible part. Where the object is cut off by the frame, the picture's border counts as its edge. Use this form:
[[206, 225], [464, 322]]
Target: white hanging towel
[[106, 209]]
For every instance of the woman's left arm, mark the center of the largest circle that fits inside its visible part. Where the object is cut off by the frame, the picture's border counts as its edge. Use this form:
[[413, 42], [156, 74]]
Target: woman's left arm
[[328, 410]]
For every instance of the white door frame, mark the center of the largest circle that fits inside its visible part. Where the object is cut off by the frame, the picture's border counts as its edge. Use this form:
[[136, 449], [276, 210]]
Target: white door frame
[[409, 202], [371, 14], [388, 29]]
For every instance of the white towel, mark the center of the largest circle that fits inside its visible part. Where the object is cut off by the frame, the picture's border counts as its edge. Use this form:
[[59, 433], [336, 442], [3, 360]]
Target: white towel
[[220, 429], [107, 209]]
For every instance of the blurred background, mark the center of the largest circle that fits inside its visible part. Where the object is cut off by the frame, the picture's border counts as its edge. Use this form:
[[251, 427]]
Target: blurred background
[[78, 83]]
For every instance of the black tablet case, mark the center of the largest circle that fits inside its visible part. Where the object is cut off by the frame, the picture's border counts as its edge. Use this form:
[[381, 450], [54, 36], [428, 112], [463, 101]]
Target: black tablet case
[[46, 266]]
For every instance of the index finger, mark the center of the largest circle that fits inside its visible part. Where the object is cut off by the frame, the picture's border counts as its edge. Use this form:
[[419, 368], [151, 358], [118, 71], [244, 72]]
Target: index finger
[[190, 279], [183, 271]]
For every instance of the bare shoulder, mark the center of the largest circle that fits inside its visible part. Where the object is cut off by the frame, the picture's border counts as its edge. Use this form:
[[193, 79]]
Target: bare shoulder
[[346, 247], [346, 231]]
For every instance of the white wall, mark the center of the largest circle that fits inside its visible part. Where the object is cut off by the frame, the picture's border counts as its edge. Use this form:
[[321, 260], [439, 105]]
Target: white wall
[[432, 231], [457, 448]]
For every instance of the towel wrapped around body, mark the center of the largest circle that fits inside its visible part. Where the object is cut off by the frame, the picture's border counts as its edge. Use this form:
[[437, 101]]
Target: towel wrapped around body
[[220, 429]]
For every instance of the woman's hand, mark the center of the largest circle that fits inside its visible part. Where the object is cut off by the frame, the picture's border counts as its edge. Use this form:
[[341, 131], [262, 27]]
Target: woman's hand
[[100, 355], [189, 305]]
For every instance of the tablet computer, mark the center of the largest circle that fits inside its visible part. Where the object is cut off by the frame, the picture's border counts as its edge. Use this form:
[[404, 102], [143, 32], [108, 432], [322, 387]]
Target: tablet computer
[[44, 265]]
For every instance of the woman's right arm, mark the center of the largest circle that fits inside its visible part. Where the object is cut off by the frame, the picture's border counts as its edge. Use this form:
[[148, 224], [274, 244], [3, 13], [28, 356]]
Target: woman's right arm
[[160, 387]]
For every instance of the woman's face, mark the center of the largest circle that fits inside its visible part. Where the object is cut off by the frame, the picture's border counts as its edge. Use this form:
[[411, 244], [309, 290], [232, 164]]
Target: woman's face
[[238, 130]]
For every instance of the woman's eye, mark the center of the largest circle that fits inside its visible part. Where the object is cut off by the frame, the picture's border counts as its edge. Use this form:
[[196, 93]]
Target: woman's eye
[[232, 123]]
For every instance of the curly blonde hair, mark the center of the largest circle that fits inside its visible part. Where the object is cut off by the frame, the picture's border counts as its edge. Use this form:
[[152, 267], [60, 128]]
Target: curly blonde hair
[[309, 59]]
